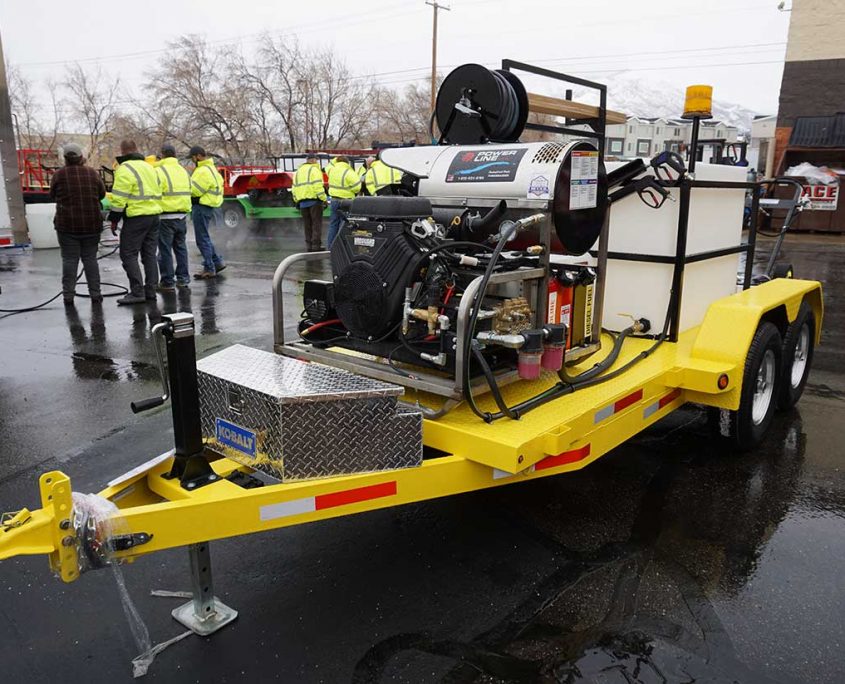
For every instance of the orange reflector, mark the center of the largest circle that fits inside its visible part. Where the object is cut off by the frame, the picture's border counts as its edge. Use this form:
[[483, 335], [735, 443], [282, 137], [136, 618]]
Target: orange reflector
[[723, 381]]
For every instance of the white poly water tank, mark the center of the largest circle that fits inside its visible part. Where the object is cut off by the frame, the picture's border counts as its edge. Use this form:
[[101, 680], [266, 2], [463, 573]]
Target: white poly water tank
[[642, 289], [39, 219]]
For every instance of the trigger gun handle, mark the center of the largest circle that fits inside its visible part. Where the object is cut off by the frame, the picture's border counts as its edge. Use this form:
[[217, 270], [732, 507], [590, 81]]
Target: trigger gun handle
[[666, 162]]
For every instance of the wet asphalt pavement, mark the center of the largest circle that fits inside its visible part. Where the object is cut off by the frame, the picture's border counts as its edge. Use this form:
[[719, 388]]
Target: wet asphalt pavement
[[665, 561]]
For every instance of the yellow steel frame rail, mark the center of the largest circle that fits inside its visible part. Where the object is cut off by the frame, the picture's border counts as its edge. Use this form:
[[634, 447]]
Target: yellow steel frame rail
[[564, 435]]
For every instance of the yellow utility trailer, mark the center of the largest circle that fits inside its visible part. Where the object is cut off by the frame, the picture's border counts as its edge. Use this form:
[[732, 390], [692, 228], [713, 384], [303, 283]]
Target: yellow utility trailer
[[476, 324]]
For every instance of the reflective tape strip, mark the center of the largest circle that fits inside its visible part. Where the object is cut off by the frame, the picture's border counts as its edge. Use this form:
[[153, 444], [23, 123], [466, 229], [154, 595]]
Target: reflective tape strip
[[133, 196], [322, 502], [618, 406], [137, 180], [117, 210], [664, 401], [563, 458], [571, 456], [167, 178], [208, 191], [186, 193]]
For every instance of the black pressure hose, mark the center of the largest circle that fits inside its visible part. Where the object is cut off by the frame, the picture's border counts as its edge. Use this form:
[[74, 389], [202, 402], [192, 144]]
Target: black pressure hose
[[120, 290], [504, 409], [506, 230], [567, 384], [602, 365]]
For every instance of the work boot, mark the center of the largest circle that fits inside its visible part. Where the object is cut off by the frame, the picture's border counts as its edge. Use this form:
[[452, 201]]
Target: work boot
[[219, 268], [205, 275], [183, 283], [161, 287], [128, 299]]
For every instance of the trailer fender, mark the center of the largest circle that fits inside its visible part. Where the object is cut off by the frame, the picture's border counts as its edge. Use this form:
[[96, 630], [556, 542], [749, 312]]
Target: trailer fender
[[730, 323]]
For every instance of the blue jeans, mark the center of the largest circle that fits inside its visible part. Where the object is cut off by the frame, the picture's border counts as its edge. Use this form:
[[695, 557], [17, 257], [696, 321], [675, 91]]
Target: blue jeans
[[171, 240], [202, 216], [336, 221]]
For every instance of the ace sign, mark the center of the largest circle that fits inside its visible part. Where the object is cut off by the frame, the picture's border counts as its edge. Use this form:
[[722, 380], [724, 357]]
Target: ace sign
[[822, 197]]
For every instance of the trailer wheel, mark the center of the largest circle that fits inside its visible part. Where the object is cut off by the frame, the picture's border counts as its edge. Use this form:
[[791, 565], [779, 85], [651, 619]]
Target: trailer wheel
[[798, 347], [746, 427], [233, 215]]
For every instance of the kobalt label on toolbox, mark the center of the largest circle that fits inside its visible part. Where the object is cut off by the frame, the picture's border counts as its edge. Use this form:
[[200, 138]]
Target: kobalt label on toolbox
[[365, 241], [485, 166], [235, 436]]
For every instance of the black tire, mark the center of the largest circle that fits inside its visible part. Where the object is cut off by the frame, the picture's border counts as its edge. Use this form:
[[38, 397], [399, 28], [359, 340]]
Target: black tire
[[783, 271], [746, 427], [233, 215], [798, 346]]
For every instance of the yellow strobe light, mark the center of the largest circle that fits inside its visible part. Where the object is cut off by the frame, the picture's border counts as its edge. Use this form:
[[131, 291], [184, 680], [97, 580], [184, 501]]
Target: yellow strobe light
[[699, 102]]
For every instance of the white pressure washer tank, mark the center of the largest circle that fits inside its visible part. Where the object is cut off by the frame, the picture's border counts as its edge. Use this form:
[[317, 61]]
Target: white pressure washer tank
[[565, 180], [642, 289]]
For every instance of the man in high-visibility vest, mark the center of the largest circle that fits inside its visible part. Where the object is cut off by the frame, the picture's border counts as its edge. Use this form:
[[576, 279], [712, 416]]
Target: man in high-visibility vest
[[344, 183], [309, 194], [206, 196], [136, 199], [175, 183], [381, 179]]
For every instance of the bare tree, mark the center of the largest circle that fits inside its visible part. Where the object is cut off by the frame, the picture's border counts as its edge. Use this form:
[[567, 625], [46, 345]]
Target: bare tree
[[195, 93], [37, 123], [93, 100], [404, 116]]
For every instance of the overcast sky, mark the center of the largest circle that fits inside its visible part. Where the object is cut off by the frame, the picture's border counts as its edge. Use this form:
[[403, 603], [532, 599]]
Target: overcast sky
[[736, 45]]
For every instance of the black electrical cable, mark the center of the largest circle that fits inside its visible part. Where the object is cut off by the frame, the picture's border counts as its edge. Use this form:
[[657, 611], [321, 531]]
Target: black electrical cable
[[121, 290]]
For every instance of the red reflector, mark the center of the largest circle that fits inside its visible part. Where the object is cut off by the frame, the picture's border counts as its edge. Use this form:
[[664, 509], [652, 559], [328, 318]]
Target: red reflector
[[669, 398], [723, 381], [351, 496], [625, 402], [564, 458]]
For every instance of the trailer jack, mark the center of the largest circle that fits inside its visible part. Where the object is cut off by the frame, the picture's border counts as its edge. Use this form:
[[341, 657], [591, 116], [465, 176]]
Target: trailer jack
[[204, 614]]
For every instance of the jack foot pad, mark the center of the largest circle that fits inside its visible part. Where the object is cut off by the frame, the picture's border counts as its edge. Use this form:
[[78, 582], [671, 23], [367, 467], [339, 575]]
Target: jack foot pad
[[217, 617]]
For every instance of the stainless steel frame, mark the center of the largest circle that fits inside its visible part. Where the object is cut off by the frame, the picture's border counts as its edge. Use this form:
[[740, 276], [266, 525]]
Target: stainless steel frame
[[535, 286]]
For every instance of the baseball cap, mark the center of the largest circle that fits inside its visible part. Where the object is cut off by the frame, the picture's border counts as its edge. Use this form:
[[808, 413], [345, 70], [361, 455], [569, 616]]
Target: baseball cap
[[196, 149], [167, 150], [71, 150]]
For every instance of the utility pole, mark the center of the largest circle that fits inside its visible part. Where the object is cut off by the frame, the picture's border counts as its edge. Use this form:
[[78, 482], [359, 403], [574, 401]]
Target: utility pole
[[435, 6]]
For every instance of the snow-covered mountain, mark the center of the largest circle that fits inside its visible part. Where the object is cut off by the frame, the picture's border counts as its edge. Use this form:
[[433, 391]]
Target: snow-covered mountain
[[637, 96]]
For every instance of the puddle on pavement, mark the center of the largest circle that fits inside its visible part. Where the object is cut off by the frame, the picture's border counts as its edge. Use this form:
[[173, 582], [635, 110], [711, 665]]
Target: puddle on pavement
[[96, 367]]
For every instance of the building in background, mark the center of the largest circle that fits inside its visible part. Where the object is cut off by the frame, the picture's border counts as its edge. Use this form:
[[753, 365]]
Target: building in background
[[761, 156], [644, 137], [813, 83]]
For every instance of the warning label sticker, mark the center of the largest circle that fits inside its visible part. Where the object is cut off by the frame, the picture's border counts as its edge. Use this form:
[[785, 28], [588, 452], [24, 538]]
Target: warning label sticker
[[583, 183], [485, 166]]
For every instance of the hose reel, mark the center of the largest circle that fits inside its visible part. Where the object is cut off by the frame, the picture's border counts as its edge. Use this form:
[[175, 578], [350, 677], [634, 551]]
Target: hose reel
[[479, 105]]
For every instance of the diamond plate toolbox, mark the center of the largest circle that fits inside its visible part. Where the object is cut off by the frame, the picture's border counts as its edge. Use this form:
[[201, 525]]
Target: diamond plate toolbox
[[296, 420]]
